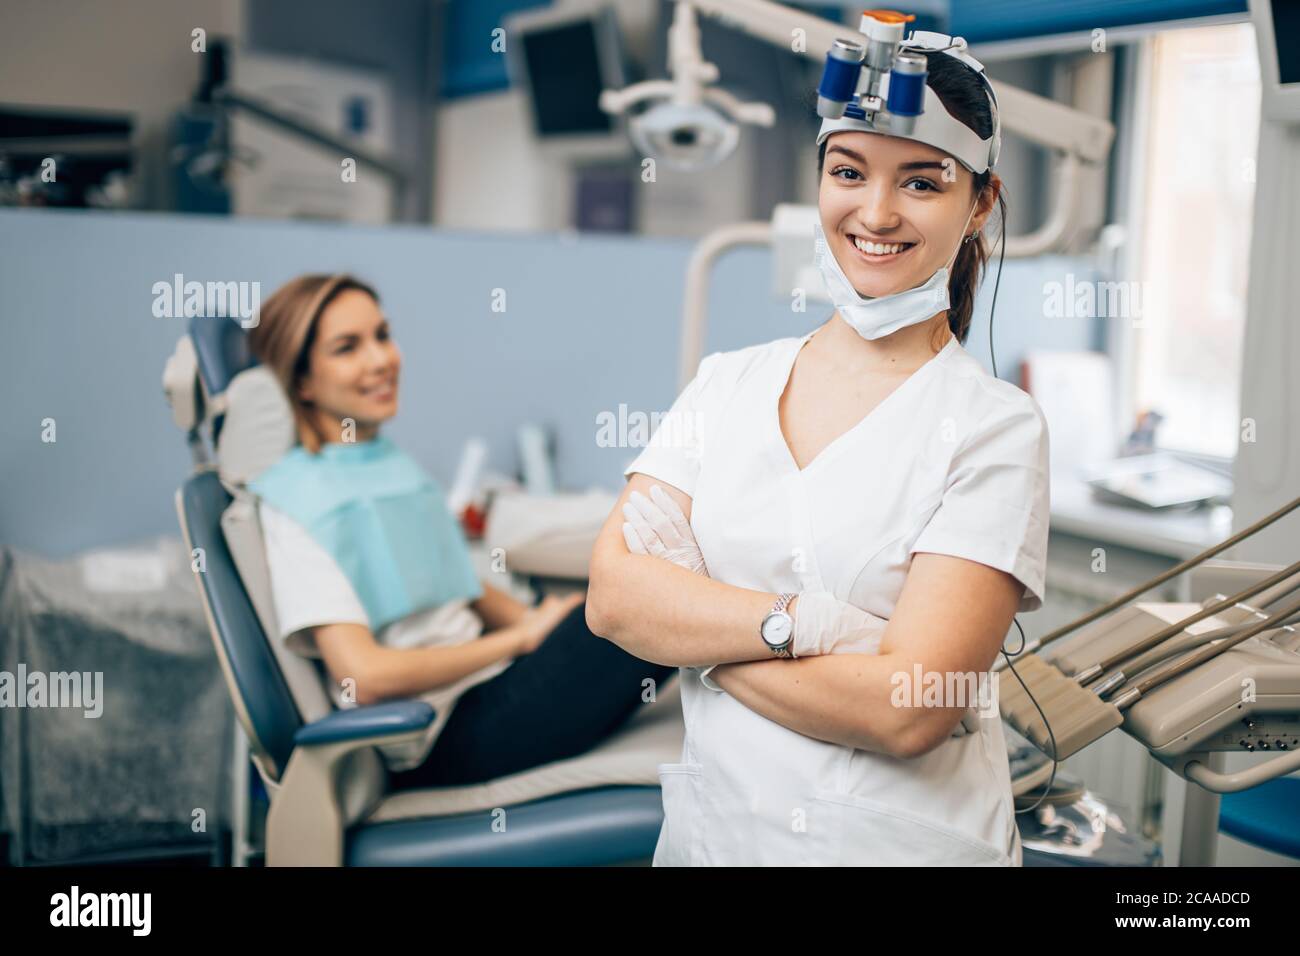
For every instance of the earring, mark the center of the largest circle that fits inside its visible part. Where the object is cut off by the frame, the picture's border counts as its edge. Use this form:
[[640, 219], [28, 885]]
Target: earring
[[968, 239]]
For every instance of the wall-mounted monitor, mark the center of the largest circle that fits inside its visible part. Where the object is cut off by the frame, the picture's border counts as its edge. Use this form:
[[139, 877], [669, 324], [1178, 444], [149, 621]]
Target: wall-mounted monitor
[[561, 59]]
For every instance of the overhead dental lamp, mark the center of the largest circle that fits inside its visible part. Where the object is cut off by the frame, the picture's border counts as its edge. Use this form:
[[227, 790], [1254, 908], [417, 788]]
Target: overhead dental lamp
[[689, 124]]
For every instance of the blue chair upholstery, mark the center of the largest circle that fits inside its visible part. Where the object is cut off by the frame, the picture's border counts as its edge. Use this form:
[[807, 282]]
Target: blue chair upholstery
[[1267, 816], [590, 827], [221, 350], [587, 828], [252, 665], [359, 723]]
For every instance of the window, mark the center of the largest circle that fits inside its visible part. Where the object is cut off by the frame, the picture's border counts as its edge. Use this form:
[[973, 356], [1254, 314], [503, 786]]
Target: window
[[1194, 242]]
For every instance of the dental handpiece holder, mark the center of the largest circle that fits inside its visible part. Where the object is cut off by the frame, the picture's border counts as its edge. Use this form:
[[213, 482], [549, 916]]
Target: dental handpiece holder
[[875, 80]]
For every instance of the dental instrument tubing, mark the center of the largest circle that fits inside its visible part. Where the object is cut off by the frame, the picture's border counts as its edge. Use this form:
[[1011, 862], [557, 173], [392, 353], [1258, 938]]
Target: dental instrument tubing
[[1168, 575], [1208, 653], [1177, 627]]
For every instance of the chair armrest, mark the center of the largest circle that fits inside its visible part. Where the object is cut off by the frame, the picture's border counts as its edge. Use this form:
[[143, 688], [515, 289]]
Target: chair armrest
[[313, 806], [378, 721]]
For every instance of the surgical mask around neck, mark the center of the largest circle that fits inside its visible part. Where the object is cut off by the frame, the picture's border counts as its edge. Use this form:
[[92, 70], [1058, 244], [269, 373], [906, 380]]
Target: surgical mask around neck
[[876, 317]]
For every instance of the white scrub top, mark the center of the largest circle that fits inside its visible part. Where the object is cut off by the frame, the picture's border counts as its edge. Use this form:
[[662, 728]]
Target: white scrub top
[[952, 461]]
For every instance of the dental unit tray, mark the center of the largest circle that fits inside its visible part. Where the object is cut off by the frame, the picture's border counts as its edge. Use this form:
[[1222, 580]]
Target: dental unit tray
[[1156, 482], [1185, 679]]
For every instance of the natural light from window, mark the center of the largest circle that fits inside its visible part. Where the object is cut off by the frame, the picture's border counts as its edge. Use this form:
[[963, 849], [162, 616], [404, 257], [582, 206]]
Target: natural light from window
[[1195, 243]]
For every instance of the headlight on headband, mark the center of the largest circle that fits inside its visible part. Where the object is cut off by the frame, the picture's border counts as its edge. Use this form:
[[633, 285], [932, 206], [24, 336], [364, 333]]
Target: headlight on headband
[[879, 86]]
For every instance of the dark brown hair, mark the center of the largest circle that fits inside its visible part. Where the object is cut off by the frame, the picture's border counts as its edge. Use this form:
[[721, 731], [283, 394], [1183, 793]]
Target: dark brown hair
[[285, 332], [962, 93]]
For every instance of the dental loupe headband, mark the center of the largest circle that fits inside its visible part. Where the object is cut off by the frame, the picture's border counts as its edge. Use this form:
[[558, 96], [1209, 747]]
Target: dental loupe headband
[[879, 87]]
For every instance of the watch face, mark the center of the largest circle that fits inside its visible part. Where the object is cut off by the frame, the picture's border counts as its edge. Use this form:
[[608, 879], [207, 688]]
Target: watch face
[[776, 628]]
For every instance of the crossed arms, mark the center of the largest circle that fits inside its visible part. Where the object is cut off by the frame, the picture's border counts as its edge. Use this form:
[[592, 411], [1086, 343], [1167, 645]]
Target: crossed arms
[[951, 617]]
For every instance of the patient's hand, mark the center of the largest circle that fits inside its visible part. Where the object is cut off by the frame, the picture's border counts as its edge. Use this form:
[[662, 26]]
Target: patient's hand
[[539, 622], [655, 526]]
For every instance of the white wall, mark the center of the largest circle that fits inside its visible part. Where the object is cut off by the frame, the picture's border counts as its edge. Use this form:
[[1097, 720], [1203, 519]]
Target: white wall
[[487, 172], [1267, 472]]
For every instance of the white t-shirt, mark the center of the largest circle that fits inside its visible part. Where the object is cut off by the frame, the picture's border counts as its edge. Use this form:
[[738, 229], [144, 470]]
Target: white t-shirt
[[309, 590], [952, 461]]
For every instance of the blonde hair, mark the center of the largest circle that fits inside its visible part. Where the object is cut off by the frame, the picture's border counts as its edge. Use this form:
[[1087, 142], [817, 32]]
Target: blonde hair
[[286, 329]]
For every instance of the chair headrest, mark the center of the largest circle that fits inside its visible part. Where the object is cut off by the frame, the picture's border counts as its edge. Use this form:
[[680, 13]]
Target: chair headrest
[[258, 428], [213, 378], [181, 386], [221, 350]]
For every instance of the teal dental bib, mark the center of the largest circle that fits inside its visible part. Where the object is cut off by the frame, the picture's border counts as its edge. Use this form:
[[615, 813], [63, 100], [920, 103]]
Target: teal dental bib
[[383, 520]]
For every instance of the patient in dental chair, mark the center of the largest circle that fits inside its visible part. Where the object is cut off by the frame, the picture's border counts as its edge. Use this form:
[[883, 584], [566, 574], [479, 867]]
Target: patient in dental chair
[[371, 574]]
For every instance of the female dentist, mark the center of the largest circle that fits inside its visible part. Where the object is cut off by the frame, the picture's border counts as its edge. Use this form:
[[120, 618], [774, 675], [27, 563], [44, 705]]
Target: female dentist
[[825, 526]]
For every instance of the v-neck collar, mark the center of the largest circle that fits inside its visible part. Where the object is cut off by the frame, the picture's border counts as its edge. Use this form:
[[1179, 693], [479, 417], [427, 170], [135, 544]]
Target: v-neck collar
[[843, 437]]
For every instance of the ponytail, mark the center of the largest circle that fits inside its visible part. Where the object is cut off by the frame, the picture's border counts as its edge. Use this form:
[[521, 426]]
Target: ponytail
[[969, 267]]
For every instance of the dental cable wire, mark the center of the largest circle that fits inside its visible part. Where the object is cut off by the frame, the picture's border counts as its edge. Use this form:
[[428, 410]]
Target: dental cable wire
[[1024, 642], [1055, 763], [1002, 244]]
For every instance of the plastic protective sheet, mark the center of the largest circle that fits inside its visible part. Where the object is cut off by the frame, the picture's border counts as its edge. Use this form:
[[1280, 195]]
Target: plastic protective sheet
[[137, 755]]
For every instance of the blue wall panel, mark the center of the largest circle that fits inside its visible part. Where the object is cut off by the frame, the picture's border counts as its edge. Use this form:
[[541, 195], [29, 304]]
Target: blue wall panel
[[591, 322]]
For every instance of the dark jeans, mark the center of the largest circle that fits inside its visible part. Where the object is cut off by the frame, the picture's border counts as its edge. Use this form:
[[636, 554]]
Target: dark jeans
[[557, 702]]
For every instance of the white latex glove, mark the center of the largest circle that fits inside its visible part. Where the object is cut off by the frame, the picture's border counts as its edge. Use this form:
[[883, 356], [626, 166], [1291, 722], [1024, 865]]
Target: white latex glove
[[657, 527], [823, 624]]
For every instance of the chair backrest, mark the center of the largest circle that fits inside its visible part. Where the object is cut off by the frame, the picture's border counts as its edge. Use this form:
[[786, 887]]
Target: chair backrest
[[213, 379], [221, 352], [262, 698], [221, 346]]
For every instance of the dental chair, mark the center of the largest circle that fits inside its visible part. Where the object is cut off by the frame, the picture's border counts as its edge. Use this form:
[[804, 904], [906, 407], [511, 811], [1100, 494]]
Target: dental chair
[[323, 773]]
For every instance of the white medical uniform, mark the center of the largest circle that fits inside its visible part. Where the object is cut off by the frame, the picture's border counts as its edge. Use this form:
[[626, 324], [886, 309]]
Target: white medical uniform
[[952, 461]]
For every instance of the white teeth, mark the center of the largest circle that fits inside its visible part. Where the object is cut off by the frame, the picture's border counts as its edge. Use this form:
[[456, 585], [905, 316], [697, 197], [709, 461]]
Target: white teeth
[[879, 248]]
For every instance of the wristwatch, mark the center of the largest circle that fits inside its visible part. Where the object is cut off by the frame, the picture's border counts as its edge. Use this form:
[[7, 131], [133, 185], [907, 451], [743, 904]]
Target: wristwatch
[[777, 629]]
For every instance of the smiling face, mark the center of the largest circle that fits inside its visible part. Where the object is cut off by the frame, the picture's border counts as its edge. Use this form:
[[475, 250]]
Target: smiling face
[[352, 366], [893, 210]]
